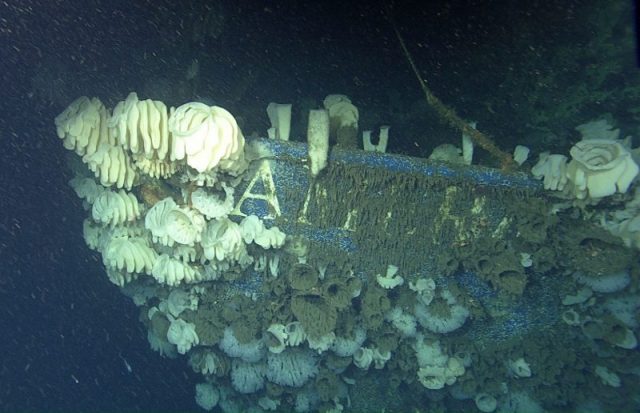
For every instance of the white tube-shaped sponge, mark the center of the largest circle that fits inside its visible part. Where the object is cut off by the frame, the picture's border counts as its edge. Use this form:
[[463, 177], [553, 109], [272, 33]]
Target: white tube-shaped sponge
[[280, 118], [383, 140], [318, 140], [467, 146], [520, 154]]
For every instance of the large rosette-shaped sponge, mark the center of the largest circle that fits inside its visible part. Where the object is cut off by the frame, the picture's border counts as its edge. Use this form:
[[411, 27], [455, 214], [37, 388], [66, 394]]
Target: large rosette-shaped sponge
[[207, 136], [600, 167]]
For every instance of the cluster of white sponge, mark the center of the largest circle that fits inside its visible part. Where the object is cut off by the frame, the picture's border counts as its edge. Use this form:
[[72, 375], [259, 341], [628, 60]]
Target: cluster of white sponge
[[170, 224], [115, 208], [143, 136], [141, 126], [83, 126], [206, 136], [437, 368], [175, 240], [130, 254], [599, 166]]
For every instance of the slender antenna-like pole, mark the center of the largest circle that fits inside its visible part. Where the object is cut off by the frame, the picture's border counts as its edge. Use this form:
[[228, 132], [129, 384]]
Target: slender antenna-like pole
[[448, 114]]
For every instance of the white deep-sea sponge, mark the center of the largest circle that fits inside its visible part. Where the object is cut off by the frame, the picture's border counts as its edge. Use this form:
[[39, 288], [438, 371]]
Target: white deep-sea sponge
[[180, 300], [270, 238], [280, 117], [318, 128], [112, 165], [207, 136], [251, 352], [452, 318], [115, 208], [390, 279], [293, 367], [447, 153], [437, 369], [598, 129], [250, 226], [161, 345], [172, 271], [624, 226], [552, 169], [624, 223], [268, 404], [346, 347], [600, 167], [485, 402], [276, 338], [186, 253], [222, 240], [608, 377], [341, 111], [182, 334], [169, 223], [207, 396], [363, 357], [429, 352], [185, 226], [93, 233], [119, 277], [247, 377], [425, 288], [520, 401], [130, 254], [625, 308], [403, 322], [213, 206], [155, 168], [307, 400], [83, 125], [520, 154], [156, 221], [253, 230], [206, 361], [519, 368], [322, 343], [141, 126], [380, 358], [608, 283], [86, 188], [295, 334]]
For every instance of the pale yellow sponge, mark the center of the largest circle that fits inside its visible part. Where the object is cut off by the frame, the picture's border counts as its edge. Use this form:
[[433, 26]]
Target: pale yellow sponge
[[83, 125], [600, 167], [206, 136]]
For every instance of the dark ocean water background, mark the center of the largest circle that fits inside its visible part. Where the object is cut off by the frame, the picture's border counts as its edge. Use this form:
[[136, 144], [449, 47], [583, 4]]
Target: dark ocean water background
[[66, 330]]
